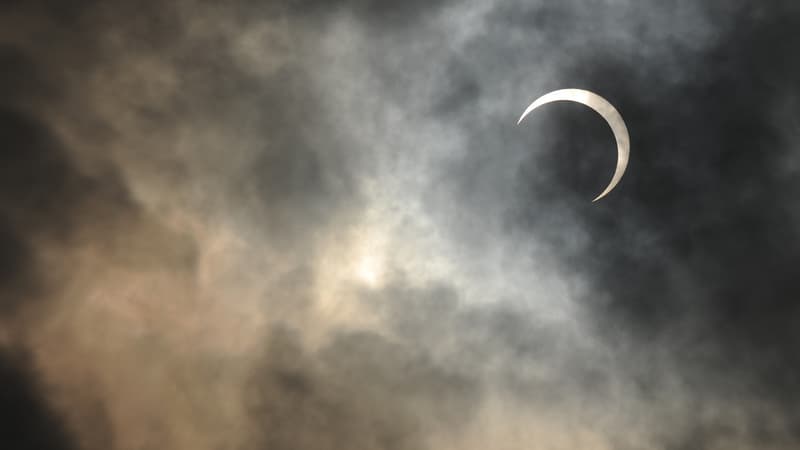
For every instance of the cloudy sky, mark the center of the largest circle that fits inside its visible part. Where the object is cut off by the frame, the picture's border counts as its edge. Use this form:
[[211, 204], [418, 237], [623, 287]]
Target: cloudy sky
[[315, 225]]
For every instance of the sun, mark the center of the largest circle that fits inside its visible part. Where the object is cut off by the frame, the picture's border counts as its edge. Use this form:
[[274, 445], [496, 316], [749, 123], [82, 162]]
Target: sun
[[369, 270]]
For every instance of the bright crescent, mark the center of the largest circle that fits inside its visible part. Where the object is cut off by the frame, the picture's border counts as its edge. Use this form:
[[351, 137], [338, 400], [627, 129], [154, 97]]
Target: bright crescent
[[605, 109]]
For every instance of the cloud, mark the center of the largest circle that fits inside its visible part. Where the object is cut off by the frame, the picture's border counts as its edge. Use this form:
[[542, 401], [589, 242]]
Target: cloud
[[695, 252], [316, 224], [361, 391], [26, 420]]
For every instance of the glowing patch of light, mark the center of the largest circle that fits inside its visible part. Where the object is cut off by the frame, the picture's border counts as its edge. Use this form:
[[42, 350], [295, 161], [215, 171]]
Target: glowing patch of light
[[369, 270]]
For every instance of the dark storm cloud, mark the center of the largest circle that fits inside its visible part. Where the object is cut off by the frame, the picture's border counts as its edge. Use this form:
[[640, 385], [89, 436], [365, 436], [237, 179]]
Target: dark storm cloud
[[40, 192], [26, 420]]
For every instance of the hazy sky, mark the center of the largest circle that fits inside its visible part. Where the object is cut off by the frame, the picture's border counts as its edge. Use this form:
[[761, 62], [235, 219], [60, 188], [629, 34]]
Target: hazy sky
[[315, 225]]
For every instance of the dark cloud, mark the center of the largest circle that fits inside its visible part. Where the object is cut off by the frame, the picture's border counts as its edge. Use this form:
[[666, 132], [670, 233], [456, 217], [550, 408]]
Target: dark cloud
[[53, 206], [26, 420], [118, 119], [361, 391], [703, 199], [382, 13], [691, 257], [698, 246], [497, 343], [42, 194], [45, 197]]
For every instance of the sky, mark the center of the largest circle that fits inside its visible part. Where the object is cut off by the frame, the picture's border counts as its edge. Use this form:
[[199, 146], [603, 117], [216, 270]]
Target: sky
[[316, 225]]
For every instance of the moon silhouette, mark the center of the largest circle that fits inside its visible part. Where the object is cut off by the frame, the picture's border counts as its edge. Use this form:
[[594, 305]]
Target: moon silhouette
[[607, 111]]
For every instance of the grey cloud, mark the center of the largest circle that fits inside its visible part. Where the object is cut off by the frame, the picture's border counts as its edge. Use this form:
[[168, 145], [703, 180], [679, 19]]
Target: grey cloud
[[361, 391], [690, 259], [682, 334]]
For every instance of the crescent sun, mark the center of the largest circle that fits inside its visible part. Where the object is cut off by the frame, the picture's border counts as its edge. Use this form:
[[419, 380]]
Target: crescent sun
[[607, 111]]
